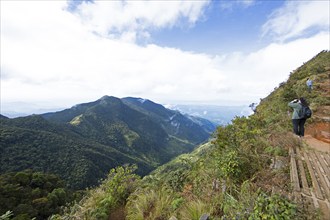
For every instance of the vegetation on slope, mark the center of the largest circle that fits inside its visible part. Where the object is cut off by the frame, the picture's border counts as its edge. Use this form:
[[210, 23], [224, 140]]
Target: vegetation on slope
[[30, 194], [274, 107], [34, 143], [242, 174], [224, 180], [83, 143], [107, 198]]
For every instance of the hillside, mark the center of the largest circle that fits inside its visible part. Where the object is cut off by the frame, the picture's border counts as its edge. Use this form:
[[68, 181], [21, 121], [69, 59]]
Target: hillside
[[83, 143], [245, 173]]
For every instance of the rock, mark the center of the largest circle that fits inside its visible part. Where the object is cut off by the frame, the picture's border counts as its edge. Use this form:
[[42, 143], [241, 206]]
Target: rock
[[277, 163], [215, 185], [205, 217]]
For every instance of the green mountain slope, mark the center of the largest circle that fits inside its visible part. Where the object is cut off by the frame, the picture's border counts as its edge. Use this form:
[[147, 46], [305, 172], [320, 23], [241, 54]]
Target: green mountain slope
[[242, 174], [34, 143], [175, 124], [83, 143]]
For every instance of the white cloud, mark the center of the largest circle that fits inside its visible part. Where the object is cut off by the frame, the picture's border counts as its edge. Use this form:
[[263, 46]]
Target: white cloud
[[247, 3], [256, 74], [229, 5], [60, 59], [298, 18], [119, 19], [48, 55]]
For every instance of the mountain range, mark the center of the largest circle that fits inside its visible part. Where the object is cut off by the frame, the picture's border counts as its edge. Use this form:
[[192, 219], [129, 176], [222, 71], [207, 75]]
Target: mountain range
[[81, 144], [220, 115]]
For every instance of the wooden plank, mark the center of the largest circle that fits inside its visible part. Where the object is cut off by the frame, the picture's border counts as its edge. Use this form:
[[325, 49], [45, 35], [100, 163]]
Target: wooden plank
[[294, 173], [321, 176], [316, 187], [327, 158], [325, 168], [291, 174], [303, 178]]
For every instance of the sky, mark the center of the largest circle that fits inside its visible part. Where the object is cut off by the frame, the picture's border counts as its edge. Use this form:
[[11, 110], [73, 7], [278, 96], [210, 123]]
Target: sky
[[55, 54]]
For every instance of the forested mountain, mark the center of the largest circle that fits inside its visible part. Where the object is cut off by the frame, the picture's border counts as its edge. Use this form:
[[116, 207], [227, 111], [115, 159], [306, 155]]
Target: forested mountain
[[83, 143], [176, 124], [2, 116]]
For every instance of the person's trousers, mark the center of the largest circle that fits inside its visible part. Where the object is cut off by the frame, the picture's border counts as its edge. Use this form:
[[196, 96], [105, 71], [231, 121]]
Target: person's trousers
[[298, 126], [309, 89]]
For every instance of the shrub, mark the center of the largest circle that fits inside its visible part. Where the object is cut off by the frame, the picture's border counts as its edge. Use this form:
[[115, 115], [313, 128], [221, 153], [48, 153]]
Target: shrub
[[273, 207], [111, 194]]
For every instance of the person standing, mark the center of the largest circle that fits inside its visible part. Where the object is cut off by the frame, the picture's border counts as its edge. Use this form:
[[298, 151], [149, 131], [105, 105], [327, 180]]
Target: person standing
[[298, 121], [309, 84]]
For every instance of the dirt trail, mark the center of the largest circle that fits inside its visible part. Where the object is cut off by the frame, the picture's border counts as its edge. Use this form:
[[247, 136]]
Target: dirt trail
[[310, 175], [317, 144]]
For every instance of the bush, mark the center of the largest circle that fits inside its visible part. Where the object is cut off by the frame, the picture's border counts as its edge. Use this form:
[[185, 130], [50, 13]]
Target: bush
[[273, 207], [101, 201]]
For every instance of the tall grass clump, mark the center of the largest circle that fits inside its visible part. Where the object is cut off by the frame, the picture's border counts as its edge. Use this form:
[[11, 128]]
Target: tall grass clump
[[151, 204], [110, 195]]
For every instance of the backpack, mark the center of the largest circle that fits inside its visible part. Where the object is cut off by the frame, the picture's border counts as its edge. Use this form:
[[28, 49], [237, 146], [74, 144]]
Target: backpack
[[305, 112]]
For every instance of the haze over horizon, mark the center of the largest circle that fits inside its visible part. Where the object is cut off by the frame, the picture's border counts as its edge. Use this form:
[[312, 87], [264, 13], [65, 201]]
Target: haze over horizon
[[55, 54]]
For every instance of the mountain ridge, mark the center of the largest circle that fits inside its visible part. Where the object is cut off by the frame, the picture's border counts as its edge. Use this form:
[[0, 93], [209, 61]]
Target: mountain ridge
[[95, 137]]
